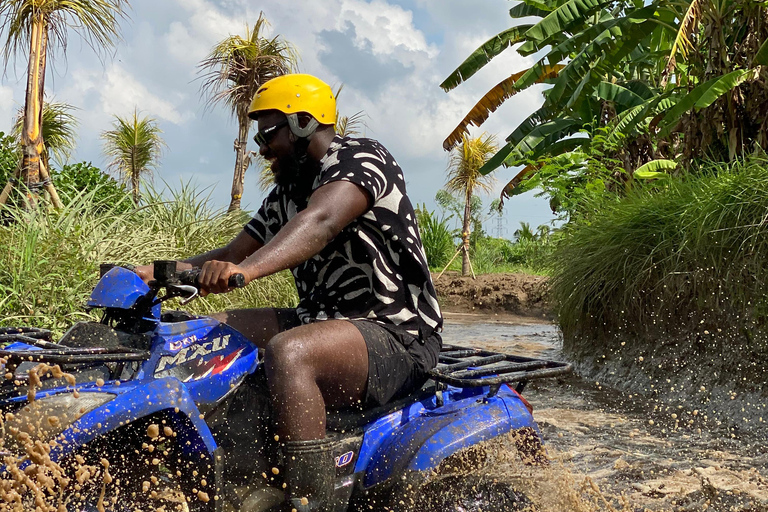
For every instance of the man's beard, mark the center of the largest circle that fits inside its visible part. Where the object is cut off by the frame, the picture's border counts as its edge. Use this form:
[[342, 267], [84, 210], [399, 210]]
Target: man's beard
[[297, 173]]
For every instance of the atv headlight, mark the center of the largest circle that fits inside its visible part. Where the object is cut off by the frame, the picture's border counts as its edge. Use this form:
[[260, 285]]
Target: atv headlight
[[46, 418]]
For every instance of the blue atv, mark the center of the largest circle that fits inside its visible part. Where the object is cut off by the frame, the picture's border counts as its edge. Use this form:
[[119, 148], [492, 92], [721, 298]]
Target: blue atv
[[156, 410]]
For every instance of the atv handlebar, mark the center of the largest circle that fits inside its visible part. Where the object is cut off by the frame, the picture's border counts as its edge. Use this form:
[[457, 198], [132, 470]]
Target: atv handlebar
[[190, 277]]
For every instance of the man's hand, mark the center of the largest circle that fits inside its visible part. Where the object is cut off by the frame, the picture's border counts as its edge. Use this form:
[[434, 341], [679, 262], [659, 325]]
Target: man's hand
[[145, 272], [214, 276]]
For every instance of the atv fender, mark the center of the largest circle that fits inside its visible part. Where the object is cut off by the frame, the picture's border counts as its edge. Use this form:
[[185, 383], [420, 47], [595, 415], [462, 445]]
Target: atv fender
[[424, 441], [134, 402]]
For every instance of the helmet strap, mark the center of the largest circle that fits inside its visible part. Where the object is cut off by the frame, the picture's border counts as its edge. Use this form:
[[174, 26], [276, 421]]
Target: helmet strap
[[297, 130]]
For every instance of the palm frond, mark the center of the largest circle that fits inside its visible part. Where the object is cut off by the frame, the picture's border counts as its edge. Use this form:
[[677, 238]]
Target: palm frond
[[465, 163], [59, 129], [238, 65], [97, 21], [133, 145]]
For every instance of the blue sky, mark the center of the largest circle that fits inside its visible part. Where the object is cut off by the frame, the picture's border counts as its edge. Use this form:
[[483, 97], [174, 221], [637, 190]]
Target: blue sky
[[390, 55]]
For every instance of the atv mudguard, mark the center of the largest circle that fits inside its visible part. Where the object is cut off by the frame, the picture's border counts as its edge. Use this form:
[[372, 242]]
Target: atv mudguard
[[120, 288], [419, 437], [135, 402]]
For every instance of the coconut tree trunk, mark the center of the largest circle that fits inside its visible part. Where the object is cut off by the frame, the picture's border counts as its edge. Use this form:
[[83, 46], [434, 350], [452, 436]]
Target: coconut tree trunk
[[134, 176], [465, 231], [241, 164], [32, 168]]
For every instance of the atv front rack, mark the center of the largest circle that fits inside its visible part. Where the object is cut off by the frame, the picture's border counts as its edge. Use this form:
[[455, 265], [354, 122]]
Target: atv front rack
[[55, 353], [470, 368]]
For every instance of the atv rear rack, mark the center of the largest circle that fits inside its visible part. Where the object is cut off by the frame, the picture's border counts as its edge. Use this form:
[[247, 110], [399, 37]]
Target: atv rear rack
[[463, 367]]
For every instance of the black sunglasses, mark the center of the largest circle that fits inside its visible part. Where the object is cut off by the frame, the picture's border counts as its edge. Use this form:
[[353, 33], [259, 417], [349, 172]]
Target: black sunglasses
[[263, 137]]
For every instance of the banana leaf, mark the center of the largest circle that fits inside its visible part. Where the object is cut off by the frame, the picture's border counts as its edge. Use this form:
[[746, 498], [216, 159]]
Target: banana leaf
[[655, 169], [761, 57], [702, 96], [491, 101], [568, 14], [550, 130], [513, 188], [484, 54], [618, 94], [525, 9]]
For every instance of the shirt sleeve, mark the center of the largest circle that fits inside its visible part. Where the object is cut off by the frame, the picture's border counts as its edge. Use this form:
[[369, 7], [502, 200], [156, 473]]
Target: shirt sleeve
[[364, 165], [268, 219]]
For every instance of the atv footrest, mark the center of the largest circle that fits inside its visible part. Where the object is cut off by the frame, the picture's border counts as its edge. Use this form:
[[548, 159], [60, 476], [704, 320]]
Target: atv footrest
[[468, 368]]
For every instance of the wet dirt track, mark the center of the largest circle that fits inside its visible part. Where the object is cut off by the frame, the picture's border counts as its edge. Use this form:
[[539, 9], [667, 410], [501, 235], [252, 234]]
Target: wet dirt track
[[612, 450]]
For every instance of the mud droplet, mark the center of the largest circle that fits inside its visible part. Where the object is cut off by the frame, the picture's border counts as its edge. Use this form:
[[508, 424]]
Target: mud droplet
[[100, 382], [153, 431], [275, 471]]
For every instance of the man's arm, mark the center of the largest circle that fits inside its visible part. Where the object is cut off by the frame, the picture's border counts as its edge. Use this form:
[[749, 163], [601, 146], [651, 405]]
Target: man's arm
[[242, 246], [331, 208]]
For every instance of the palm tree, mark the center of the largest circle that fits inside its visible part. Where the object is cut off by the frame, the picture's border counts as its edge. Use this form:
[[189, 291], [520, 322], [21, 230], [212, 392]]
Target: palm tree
[[58, 129], [464, 178], [133, 146], [35, 22], [234, 70], [58, 132]]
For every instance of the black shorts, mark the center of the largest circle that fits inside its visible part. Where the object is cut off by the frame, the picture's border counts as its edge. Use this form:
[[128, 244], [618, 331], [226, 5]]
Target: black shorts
[[398, 362]]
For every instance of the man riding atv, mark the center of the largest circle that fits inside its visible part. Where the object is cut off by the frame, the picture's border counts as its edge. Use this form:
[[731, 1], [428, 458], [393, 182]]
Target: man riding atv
[[366, 329]]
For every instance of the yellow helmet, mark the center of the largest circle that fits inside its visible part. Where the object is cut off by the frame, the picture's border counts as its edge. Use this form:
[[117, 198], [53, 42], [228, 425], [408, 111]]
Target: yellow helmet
[[291, 94]]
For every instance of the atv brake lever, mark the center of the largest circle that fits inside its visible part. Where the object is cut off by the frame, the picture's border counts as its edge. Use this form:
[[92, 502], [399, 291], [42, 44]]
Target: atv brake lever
[[192, 290]]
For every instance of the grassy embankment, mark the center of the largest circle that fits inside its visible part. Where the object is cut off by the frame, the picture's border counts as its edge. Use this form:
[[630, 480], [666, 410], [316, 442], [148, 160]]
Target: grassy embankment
[[50, 259], [673, 283]]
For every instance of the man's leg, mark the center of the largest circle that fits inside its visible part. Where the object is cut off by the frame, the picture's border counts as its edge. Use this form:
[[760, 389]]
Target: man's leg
[[309, 367], [313, 366], [259, 325]]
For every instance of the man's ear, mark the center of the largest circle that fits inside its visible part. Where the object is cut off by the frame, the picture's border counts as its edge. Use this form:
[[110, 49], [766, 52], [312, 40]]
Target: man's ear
[[304, 120]]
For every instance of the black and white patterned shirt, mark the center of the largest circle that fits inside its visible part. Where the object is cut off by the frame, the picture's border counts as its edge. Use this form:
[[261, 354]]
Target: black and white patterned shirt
[[375, 268]]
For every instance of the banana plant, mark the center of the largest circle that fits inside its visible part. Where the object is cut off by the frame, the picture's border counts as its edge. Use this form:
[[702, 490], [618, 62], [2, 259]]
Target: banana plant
[[651, 72]]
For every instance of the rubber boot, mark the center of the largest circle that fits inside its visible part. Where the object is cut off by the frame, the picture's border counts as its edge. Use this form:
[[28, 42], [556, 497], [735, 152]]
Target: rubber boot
[[309, 476]]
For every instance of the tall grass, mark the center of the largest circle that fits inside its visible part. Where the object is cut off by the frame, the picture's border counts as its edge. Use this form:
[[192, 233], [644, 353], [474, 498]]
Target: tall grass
[[49, 262], [692, 257], [436, 237]]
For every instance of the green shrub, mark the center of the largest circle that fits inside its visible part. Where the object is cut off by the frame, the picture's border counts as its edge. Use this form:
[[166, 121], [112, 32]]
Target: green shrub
[[692, 255], [74, 179], [436, 236], [495, 255], [50, 259]]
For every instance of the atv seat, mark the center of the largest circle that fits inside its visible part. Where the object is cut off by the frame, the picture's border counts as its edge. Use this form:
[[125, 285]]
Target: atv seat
[[356, 417]]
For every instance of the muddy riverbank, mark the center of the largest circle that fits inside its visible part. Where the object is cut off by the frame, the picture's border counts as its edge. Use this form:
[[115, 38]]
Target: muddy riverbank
[[515, 294], [614, 449]]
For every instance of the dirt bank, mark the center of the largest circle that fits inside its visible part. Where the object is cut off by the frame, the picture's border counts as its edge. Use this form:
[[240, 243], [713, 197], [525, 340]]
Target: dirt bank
[[516, 294]]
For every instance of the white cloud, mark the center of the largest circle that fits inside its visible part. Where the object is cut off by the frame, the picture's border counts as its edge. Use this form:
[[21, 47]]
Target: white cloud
[[388, 28], [120, 92], [191, 38]]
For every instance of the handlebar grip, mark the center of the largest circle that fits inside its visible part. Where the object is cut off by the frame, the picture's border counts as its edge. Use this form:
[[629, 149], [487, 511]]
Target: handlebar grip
[[236, 281], [190, 277]]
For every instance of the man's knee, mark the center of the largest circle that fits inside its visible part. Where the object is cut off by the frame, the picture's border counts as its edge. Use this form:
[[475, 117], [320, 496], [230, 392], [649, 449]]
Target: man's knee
[[287, 352]]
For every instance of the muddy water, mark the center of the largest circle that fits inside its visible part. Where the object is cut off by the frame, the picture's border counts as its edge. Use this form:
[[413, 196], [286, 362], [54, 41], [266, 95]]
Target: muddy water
[[617, 451]]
